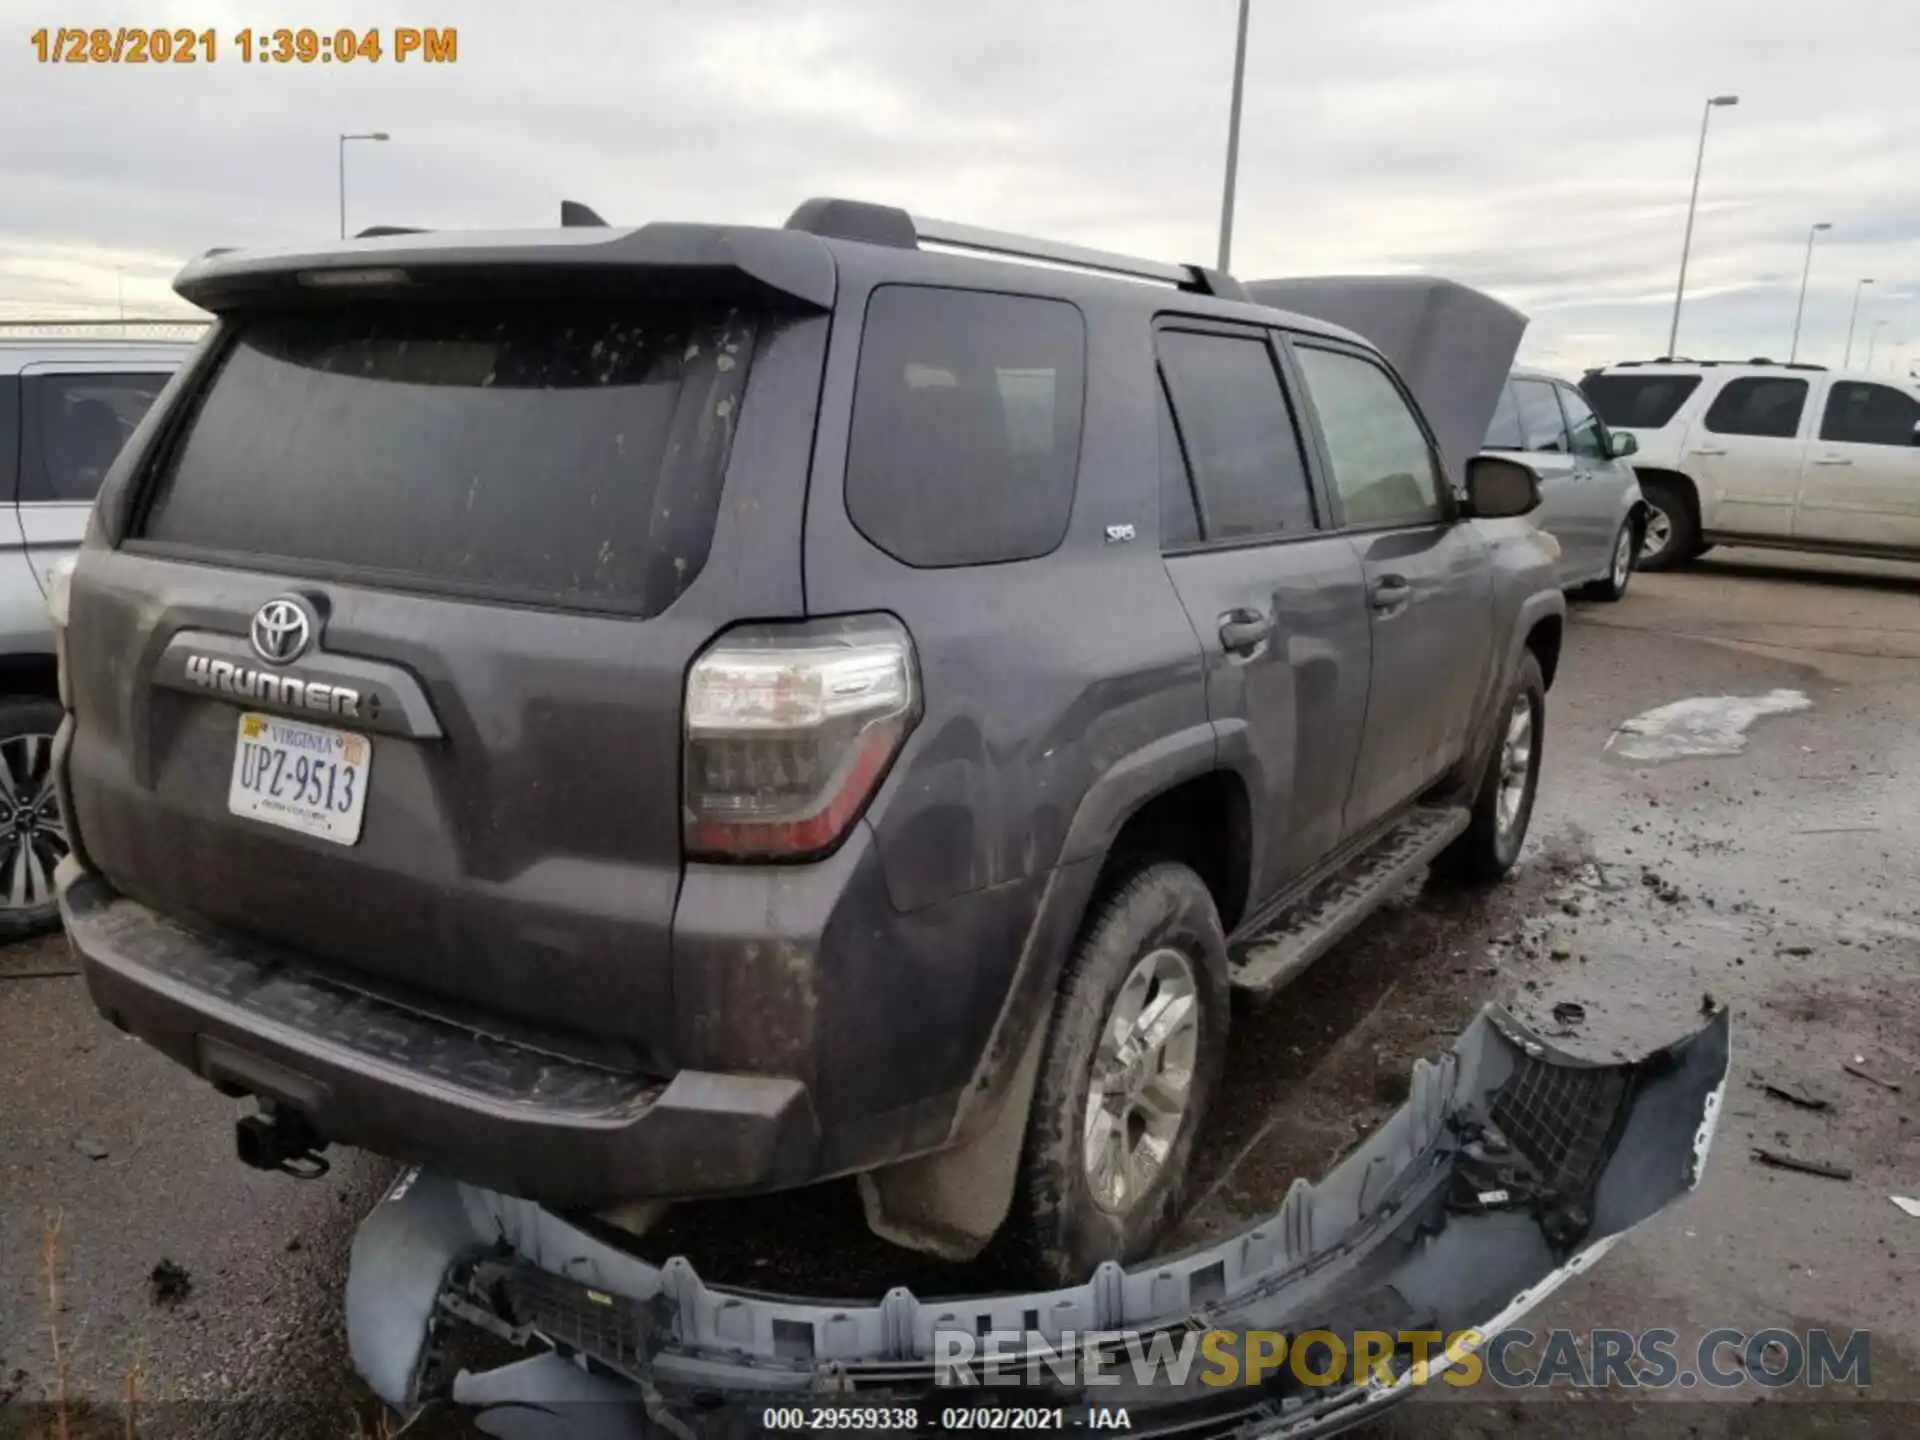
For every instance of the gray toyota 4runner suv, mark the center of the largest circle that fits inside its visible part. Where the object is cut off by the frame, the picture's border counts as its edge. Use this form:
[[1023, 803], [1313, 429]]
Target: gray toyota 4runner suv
[[693, 710]]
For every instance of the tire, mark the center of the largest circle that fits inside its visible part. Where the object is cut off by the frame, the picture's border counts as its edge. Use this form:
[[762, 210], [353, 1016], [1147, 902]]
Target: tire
[[33, 835], [1613, 585], [1160, 921], [1671, 537], [1487, 849]]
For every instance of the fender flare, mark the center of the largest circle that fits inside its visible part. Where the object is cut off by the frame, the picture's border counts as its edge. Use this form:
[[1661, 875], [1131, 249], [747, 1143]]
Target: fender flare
[[1104, 808], [1539, 606]]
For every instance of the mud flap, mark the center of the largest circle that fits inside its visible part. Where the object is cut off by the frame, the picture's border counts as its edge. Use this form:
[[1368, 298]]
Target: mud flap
[[1512, 1167]]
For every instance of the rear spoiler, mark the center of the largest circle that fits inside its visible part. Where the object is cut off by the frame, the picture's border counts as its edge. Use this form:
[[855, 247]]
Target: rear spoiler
[[780, 268], [1454, 346]]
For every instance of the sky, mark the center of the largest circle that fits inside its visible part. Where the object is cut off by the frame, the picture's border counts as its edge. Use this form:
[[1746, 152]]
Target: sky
[[1541, 150]]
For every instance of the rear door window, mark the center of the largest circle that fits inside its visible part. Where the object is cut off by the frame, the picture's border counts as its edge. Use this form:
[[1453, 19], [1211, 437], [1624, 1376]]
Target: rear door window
[[1543, 428], [1760, 406], [75, 426], [1383, 467], [965, 438], [1860, 413], [1238, 433], [1179, 512], [566, 452], [1638, 402]]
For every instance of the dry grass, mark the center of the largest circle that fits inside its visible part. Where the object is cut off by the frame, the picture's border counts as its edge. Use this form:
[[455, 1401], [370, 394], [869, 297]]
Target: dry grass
[[63, 1412], [50, 1256]]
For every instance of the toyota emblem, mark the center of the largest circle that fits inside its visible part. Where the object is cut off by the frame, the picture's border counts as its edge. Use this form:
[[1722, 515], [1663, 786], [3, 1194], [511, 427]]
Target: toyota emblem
[[282, 630]]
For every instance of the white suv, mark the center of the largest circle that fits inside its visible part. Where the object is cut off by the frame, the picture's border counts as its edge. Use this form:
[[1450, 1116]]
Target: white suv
[[1793, 456], [66, 408]]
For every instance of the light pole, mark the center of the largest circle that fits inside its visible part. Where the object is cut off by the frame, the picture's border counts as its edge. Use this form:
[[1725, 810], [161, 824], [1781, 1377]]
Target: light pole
[[370, 135], [1686, 245], [1805, 270], [1853, 320], [1873, 335], [1233, 140]]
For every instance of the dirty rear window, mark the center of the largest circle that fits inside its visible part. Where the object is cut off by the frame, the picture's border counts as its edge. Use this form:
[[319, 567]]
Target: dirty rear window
[[559, 452]]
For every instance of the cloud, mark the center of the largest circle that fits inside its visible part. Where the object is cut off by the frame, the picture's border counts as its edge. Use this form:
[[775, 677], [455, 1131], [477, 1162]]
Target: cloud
[[1543, 152]]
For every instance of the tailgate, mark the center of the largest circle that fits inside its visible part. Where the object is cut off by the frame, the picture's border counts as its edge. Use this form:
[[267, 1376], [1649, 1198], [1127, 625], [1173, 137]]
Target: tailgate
[[388, 665]]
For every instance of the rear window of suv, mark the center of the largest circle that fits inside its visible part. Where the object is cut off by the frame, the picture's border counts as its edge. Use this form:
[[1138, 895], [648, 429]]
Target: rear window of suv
[[563, 452], [1638, 402]]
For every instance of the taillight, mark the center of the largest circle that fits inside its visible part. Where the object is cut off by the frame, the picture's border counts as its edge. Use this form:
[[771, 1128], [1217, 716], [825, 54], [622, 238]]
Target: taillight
[[789, 731]]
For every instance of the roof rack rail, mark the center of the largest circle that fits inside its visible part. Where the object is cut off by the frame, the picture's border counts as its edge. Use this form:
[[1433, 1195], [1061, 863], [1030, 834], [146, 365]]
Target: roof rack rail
[[374, 232], [889, 225], [1760, 361]]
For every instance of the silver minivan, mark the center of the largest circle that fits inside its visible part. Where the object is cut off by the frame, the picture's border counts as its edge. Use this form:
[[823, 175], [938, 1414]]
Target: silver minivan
[[66, 408], [1590, 499]]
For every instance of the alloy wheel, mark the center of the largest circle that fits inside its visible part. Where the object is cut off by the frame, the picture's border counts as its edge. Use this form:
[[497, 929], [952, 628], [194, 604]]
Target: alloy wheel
[[33, 832], [1659, 533], [1142, 1079], [1516, 763]]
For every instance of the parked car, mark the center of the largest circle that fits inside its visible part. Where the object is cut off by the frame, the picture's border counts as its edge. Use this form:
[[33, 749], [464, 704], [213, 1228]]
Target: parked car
[[66, 407], [540, 710], [1590, 500], [1792, 456]]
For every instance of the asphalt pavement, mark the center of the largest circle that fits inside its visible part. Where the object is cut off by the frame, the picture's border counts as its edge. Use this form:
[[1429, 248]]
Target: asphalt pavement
[[1779, 879]]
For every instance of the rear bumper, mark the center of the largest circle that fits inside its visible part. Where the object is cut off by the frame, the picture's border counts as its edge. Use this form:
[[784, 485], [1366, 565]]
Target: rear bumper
[[366, 1071]]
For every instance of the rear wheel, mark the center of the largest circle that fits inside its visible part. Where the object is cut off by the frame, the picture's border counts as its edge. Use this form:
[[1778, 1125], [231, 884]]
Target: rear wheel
[[1134, 1054], [1503, 806], [1671, 537], [33, 832], [1613, 585]]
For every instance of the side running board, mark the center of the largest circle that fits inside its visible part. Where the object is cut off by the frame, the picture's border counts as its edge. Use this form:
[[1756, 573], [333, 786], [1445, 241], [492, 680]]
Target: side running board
[[1329, 907]]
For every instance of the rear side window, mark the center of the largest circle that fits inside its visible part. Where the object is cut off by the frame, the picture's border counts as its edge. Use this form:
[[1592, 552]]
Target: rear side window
[[1859, 413], [1504, 432], [966, 425], [1760, 406], [9, 434], [75, 426], [565, 452], [1382, 464], [1638, 402], [1238, 434], [1543, 428]]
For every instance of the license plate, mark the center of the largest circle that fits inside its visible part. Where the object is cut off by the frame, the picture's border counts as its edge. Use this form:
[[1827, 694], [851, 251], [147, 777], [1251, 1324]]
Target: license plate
[[302, 777]]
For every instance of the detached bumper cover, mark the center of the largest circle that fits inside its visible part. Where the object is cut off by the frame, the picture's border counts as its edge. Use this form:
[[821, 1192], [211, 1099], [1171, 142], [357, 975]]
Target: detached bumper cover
[[1512, 1167]]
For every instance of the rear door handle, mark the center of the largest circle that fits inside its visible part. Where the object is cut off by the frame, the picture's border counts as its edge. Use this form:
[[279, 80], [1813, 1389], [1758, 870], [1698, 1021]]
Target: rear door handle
[[1833, 460], [1391, 592], [1244, 631], [1707, 450]]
